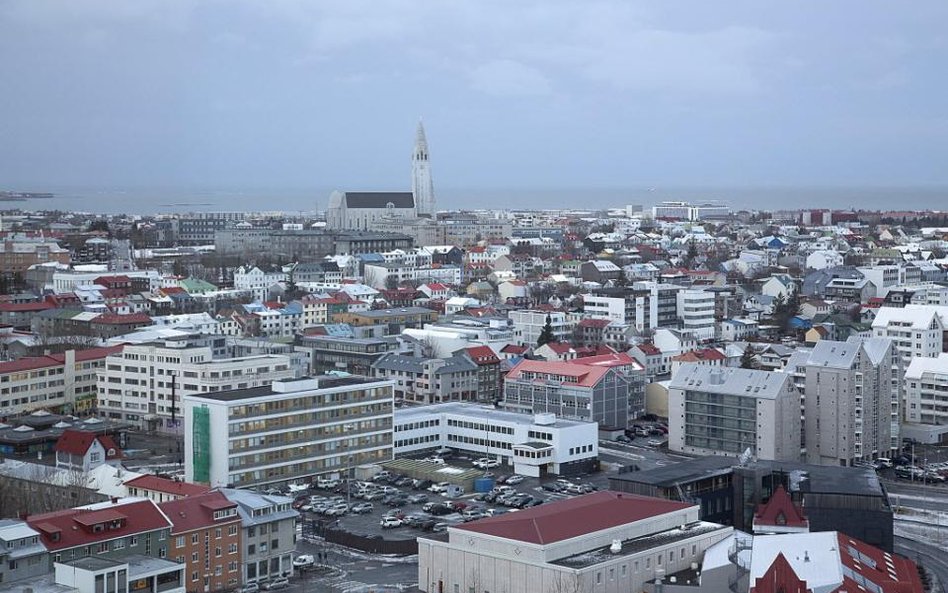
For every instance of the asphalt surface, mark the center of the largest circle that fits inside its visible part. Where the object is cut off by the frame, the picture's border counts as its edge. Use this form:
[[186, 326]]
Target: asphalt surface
[[931, 558]]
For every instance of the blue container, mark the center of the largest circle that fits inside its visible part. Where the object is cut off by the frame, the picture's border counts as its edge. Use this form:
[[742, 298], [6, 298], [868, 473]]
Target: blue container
[[483, 484]]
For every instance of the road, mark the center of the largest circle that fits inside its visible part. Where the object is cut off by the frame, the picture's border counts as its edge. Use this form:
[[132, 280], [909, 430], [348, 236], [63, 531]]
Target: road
[[356, 571], [908, 494], [932, 558]]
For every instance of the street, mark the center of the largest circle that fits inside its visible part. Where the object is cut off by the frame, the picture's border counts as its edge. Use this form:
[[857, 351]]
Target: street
[[931, 557], [356, 571]]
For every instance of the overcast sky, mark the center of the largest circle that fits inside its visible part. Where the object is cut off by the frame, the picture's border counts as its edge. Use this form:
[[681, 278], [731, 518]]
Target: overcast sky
[[300, 93]]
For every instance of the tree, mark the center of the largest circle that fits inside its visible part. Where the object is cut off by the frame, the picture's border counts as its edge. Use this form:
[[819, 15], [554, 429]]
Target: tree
[[623, 279], [546, 334], [749, 358], [692, 253]]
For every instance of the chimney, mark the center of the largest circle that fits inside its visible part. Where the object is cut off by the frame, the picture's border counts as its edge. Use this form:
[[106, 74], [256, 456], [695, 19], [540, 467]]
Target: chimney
[[806, 556]]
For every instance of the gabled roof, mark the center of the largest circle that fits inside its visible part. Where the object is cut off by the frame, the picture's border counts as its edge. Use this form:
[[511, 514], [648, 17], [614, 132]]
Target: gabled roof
[[780, 578], [780, 511], [566, 519], [707, 354], [649, 349], [482, 355], [77, 442], [582, 375], [197, 512], [70, 528], [41, 362], [360, 199], [158, 484]]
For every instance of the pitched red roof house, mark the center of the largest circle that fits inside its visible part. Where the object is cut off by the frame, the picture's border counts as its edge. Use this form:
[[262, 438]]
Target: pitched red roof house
[[161, 485], [780, 514], [77, 442], [103, 521], [29, 363], [594, 323], [780, 578], [586, 514], [707, 355], [579, 375], [197, 512], [482, 355]]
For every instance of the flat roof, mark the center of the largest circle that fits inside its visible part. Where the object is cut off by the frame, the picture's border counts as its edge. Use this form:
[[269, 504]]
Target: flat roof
[[640, 544], [677, 473], [479, 412], [325, 382]]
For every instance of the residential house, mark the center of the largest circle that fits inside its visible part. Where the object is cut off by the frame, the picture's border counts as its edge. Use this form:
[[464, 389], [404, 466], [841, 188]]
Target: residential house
[[84, 451]]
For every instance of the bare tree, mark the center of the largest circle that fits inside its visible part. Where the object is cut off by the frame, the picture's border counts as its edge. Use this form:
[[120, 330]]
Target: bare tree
[[566, 583]]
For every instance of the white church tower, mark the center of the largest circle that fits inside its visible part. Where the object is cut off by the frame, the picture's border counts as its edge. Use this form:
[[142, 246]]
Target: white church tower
[[421, 185]]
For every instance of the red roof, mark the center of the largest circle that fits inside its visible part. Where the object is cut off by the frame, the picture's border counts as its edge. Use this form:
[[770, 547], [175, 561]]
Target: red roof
[[114, 319], [437, 287], [708, 354], [893, 573], [560, 347], [616, 359], [30, 363], [197, 512], [600, 323], [513, 349], [70, 528], [587, 514], [158, 484], [780, 510], [649, 349], [482, 355], [581, 375], [77, 442], [780, 578], [24, 307]]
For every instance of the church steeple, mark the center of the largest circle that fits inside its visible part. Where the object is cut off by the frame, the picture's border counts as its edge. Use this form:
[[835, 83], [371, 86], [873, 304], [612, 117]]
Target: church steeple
[[421, 185]]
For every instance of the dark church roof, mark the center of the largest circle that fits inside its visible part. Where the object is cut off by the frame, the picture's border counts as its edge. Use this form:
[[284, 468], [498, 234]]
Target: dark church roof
[[379, 199]]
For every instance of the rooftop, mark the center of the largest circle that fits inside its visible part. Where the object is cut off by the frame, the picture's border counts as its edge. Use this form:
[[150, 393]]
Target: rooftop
[[303, 384], [730, 380], [640, 544], [587, 514], [482, 412]]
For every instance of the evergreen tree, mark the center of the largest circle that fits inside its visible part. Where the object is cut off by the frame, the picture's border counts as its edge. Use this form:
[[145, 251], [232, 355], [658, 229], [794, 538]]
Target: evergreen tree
[[546, 334], [749, 358]]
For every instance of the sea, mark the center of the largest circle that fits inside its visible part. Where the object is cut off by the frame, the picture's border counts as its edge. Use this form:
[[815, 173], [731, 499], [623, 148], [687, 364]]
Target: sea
[[145, 201]]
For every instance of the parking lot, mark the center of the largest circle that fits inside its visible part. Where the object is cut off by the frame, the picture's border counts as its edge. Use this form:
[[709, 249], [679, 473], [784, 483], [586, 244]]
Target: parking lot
[[409, 508]]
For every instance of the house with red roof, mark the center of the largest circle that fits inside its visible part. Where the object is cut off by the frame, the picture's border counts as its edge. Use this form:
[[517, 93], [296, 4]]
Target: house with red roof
[[84, 451], [162, 489], [206, 537], [489, 378], [570, 391], [561, 351], [436, 290], [704, 356], [780, 515], [605, 541], [111, 530]]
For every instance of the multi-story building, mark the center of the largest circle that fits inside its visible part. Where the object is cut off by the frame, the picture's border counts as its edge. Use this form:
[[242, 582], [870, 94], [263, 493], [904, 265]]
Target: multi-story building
[[112, 530], [645, 305], [926, 390], [256, 436], [393, 321], [22, 555], [529, 323], [257, 282], [429, 380], [489, 378], [532, 445], [916, 330], [350, 355], [696, 309], [571, 391], [206, 538], [198, 228], [16, 256], [727, 411], [611, 542], [268, 534], [55, 382], [852, 394], [144, 383]]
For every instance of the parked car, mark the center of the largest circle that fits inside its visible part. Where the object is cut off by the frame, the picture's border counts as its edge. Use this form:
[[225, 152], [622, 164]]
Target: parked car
[[436, 460], [403, 482], [276, 584], [398, 500], [486, 463], [418, 498], [655, 442], [515, 479], [501, 479], [250, 588], [439, 527], [552, 487], [390, 522], [362, 507], [303, 561], [439, 488], [382, 476], [421, 484], [623, 439]]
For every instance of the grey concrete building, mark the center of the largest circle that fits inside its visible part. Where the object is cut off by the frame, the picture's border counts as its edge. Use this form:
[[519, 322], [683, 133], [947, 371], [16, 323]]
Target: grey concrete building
[[22, 555], [269, 534], [429, 380]]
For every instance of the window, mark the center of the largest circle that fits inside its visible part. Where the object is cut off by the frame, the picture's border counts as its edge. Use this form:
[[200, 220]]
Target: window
[[179, 542], [217, 533], [598, 578], [194, 538], [251, 550], [274, 544]]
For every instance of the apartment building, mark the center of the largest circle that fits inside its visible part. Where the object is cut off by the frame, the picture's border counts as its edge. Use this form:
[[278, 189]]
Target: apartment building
[[529, 323], [926, 390], [852, 397], [916, 330], [429, 380], [696, 309], [530, 444], [570, 391], [646, 305], [286, 432], [716, 410], [206, 538], [267, 536], [18, 254], [144, 383], [112, 530], [22, 555], [256, 281], [56, 382]]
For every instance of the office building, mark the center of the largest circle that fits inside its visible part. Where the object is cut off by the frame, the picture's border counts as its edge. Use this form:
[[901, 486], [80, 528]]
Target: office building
[[926, 390], [916, 330], [289, 431], [529, 323], [529, 444], [728, 411], [611, 542], [268, 534], [696, 309]]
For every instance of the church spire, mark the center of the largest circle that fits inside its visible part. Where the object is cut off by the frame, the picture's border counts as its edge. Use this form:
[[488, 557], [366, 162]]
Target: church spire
[[421, 185]]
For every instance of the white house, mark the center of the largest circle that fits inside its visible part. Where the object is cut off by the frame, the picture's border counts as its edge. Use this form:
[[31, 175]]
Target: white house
[[824, 258], [84, 451]]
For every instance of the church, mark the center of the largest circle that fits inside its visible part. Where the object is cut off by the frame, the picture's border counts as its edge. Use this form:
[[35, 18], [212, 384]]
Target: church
[[359, 210]]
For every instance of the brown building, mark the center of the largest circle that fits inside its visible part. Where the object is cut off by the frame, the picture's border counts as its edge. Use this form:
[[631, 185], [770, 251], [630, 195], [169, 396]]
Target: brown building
[[17, 257], [206, 537]]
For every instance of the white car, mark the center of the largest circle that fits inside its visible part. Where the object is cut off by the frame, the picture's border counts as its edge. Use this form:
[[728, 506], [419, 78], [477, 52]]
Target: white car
[[276, 584], [439, 488], [303, 561], [514, 479], [388, 522], [436, 460], [486, 463]]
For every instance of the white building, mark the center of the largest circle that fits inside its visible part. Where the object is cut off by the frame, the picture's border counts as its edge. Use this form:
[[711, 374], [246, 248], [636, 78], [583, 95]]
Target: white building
[[258, 436], [726, 411], [256, 281], [696, 311], [917, 330], [606, 542], [530, 323], [926, 390], [136, 384], [533, 445], [819, 260]]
